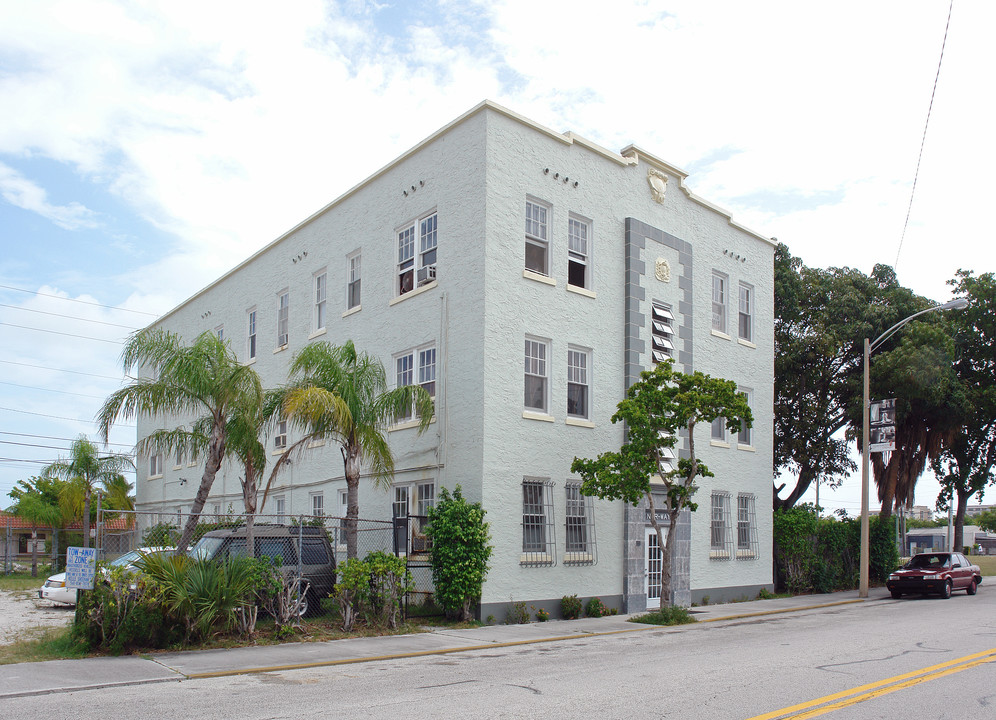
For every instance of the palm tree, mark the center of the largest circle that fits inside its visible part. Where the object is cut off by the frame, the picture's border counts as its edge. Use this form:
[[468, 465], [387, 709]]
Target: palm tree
[[202, 378], [84, 468], [342, 396], [39, 512]]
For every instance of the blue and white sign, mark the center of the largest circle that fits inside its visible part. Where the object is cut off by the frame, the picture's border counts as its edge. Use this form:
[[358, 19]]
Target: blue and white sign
[[81, 567]]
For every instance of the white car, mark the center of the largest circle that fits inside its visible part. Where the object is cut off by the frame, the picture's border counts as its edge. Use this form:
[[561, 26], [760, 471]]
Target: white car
[[55, 588]]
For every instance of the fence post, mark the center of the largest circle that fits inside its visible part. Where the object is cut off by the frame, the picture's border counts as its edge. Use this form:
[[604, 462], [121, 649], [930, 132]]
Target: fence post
[[300, 547]]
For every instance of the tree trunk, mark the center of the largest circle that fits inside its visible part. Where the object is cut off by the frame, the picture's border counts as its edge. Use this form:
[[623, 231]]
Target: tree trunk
[[86, 515], [959, 519], [34, 552], [351, 461], [805, 479], [216, 453]]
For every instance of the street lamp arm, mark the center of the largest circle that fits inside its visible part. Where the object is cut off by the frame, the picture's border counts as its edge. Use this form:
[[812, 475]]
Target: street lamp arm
[[956, 304]]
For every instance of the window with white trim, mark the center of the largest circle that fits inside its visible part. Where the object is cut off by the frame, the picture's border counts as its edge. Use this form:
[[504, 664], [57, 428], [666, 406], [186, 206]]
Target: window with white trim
[[417, 245], [578, 252], [353, 281], [283, 318], [578, 382], [746, 527], [661, 332], [318, 504], [426, 499], [321, 291], [537, 238], [220, 332], [745, 324], [416, 366], [251, 333], [719, 282], [180, 456], [401, 498], [280, 507], [155, 465], [745, 436], [579, 527], [280, 436], [538, 538], [721, 547], [536, 375], [719, 429]]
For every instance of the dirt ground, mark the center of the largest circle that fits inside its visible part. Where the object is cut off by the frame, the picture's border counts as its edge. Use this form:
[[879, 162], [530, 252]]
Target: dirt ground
[[23, 613]]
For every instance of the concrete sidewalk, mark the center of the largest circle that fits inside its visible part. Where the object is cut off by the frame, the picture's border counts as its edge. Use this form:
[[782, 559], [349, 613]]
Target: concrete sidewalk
[[90, 673]]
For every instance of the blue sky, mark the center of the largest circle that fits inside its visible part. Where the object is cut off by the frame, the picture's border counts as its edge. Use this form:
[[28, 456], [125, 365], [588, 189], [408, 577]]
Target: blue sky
[[148, 147]]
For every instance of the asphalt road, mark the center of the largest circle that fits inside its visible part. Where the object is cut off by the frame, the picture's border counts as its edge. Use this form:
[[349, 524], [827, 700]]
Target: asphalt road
[[924, 658]]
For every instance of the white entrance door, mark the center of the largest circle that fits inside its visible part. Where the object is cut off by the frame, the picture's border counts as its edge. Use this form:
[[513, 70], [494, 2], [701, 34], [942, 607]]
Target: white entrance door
[[652, 572]]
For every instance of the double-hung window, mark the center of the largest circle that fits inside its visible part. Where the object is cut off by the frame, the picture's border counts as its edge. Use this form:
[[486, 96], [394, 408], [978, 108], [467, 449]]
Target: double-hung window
[[746, 315], [721, 546], [155, 465], [283, 318], [719, 429], [578, 253], [353, 282], [578, 383], [579, 527], [744, 437], [318, 504], [426, 499], [746, 527], [220, 332], [400, 506], [417, 245], [179, 458], [416, 366], [719, 283], [661, 332], [251, 334], [537, 238], [536, 375], [538, 538], [321, 290], [280, 436]]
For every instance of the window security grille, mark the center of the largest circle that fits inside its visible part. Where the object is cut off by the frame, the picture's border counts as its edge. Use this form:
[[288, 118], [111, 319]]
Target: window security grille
[[746, 528], [722, 530], [661, 333], [538, 534], [580, 528]]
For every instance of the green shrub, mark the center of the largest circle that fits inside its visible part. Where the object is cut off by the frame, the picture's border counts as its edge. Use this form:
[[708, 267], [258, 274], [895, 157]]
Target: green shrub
[[461, 548], [570, 607], [668, 615], [542, 615], [595, 608], [517, 614], [373, 588], [351, 590]]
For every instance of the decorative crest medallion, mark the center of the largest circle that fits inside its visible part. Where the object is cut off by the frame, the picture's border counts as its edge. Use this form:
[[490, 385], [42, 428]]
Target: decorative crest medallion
[[658, 184], [662, 270]]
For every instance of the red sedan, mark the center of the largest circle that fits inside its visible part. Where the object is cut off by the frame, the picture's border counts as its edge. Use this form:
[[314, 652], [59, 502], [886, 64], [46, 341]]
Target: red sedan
[[935, 573]]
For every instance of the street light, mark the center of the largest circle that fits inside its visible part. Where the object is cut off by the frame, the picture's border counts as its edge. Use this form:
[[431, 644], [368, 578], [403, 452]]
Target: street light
[[871, 347]]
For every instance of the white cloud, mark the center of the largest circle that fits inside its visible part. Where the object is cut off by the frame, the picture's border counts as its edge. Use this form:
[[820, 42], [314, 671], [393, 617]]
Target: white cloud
[[25, 194]]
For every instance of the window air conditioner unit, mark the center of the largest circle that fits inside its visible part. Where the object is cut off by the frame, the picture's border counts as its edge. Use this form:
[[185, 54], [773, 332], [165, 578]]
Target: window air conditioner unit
[[426, 275]]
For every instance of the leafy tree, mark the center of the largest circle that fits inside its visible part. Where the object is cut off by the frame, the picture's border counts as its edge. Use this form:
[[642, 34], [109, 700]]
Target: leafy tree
[[38, 511], [84, 469], [966, 465], [987, 521], [341, 395], [461, 548], [658, 406], [204, 377]]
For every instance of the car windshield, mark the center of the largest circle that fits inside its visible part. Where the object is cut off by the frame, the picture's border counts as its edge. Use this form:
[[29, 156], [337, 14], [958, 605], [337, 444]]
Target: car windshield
[[127, 559], [206, 548], [926, 562]]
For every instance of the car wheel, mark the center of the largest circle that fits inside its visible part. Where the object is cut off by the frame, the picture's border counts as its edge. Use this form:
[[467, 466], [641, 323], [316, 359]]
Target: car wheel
[[313, 601], [972, 587], [896, 594], [946, 592]]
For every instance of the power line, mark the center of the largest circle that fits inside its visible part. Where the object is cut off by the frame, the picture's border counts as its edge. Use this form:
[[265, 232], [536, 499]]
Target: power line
[[70, 317], [54, 437], [59, 417], [84, 302], [74, 372], [923, 140], [61, 392], [56, 332]]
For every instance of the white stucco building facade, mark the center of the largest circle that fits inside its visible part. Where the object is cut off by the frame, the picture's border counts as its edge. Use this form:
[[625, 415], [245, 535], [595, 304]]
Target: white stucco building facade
[[525, 277]]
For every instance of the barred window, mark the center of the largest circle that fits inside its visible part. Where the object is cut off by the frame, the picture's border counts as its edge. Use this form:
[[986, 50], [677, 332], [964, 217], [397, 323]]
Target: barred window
[[661, 332], [580, 527], [746, 527], [538, 538], [721, 547]]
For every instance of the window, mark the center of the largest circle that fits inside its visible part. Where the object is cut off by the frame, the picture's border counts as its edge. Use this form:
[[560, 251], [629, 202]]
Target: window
[[722, 540], [746, 324], [578, 258], [353, 282], [746, 527], [719, 302], [283, 318], [579, 527], [318, 504], [251, 333], [280, 507], [719, 429], [179, 457], [426, 373], [536, 375], [426, 499], [321, 286], [537, 523], [220, 332], [155, 465], [537, 242], [661, 332], [578, 362], [400, 506], [417, 269], [280, 436], [744, 437]]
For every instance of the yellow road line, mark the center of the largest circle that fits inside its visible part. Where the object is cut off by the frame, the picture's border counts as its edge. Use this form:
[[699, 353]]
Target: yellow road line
[[761, 613], [820, 706]]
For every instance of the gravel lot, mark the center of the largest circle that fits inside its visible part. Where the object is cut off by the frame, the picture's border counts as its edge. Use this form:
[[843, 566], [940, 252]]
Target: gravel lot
[[23, 613]]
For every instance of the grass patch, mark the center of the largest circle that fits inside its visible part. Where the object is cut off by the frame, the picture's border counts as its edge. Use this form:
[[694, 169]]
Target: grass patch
[[40, 644], [986, 563], [20, 581], [673, 615]]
